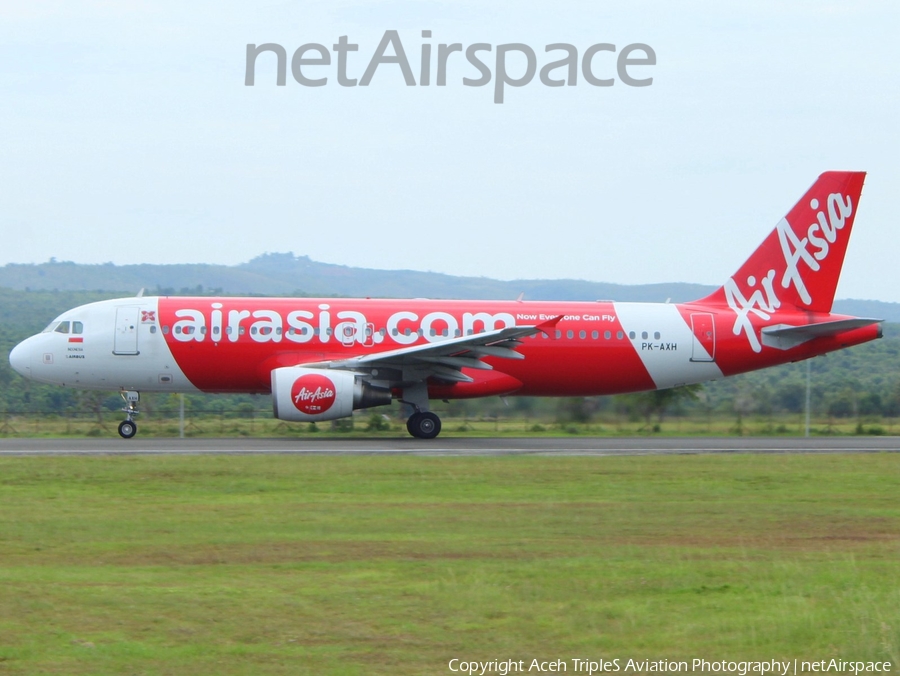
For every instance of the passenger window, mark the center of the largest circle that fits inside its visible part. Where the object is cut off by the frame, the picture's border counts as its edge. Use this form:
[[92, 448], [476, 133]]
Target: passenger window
[[582, 335], [656, 336], [595, 335], [570, 334], [644, 335], [165, 330], [620, 335], [558, 334], [153, 328], [77, 327], [631, 334], [63, 327], [607, 335]]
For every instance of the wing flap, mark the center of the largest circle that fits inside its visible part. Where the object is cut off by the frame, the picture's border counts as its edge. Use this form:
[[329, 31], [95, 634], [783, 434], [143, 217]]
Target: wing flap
[[458, 362], [503, 350]]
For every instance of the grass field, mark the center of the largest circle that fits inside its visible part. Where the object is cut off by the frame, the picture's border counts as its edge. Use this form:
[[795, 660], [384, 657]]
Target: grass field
[[394, 565]]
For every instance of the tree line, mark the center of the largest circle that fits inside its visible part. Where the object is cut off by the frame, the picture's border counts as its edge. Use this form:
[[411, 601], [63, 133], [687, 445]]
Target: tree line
[[863, 381]]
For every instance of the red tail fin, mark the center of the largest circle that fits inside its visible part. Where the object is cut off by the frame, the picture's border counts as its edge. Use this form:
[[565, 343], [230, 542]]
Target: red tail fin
[[800, 262]]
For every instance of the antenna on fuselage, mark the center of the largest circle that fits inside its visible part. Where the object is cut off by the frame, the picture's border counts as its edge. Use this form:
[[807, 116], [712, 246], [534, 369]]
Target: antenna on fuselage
[[141, 293]]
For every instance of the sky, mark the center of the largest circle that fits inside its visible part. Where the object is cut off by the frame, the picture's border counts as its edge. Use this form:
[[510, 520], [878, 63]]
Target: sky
[[128, 136]]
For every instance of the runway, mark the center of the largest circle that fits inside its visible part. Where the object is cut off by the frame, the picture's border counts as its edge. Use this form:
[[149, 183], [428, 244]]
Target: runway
[[449, 446]]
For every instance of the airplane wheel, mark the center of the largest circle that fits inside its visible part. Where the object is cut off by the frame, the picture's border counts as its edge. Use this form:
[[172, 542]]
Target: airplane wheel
[[127, 429], [424, 425], [411, 424]]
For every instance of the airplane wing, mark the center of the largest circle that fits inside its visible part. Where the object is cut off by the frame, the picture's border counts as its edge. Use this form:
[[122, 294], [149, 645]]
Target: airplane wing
[[784, 336], [444, 359]]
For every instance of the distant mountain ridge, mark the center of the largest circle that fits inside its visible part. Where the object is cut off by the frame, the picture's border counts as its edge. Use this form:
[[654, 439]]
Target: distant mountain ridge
[[286, 274]]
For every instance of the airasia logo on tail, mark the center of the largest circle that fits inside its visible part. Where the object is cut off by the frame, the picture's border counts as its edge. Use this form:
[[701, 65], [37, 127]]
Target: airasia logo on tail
[[313, 394], [763, 300]]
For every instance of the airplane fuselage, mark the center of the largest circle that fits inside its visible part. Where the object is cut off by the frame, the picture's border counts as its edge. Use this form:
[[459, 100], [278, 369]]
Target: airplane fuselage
[[324, 358], [190, 344]]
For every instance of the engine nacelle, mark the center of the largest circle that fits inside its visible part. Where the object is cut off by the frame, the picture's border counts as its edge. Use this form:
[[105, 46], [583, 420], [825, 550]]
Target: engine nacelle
[[310, 395]]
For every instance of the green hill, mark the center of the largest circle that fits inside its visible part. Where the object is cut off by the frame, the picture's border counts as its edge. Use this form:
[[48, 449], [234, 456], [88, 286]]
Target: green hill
[[287, 274]]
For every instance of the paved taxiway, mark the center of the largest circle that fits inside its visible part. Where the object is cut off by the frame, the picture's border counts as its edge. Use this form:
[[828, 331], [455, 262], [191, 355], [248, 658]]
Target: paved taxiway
[[453, 446]]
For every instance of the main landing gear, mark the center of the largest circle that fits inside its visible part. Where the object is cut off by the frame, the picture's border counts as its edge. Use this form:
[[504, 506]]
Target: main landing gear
[[424, 425], [128, 428]]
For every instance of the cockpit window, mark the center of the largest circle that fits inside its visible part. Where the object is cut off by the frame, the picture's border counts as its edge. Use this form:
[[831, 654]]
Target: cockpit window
[[57, 326]]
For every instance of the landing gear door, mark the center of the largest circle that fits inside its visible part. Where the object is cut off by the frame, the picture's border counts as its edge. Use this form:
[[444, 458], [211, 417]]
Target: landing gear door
[[704, 342], [126, 330]]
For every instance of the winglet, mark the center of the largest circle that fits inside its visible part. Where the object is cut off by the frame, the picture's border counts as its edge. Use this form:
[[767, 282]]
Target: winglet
[[548, 326]]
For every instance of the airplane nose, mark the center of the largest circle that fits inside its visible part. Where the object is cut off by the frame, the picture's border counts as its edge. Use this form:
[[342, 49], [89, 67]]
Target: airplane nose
[[19, 360]]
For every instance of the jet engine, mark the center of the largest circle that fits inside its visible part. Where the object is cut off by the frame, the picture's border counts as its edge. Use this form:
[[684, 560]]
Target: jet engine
[[310, 395]]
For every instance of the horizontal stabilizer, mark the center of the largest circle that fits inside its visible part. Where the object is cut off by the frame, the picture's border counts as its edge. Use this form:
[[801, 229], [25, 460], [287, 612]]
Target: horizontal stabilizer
[[784, 337]]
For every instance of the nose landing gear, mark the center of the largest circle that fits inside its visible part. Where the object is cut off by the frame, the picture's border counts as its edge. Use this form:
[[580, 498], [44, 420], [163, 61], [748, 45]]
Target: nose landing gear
[[128, 428]]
